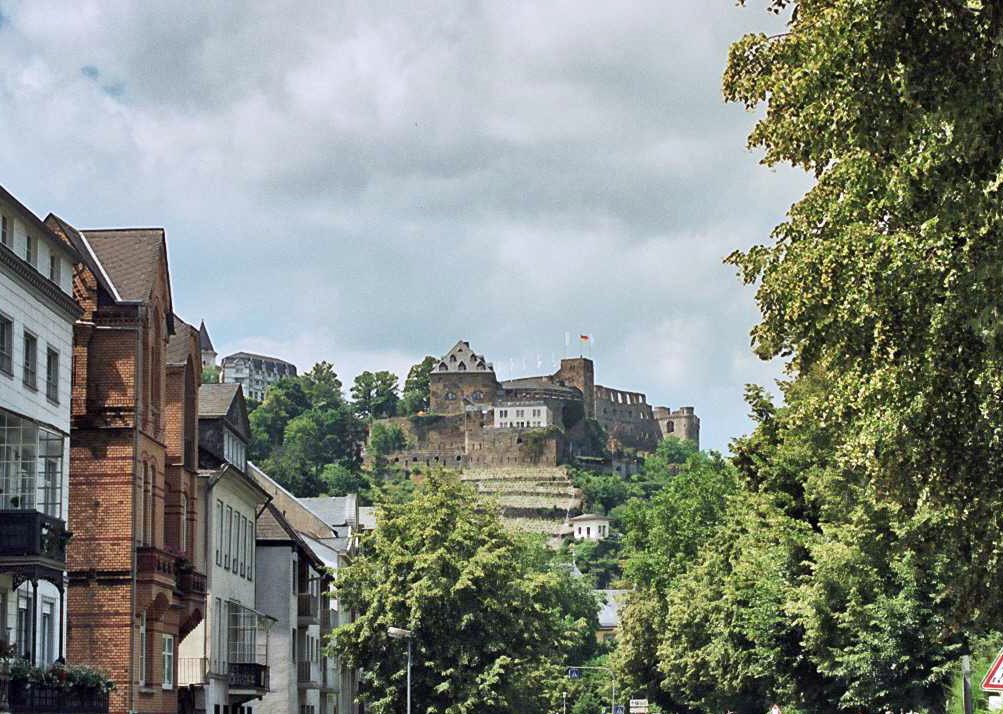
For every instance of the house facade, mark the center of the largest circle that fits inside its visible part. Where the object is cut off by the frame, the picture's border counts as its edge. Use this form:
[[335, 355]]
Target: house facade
[[223, 665], [136, 572], [255, 373], [37, 314]]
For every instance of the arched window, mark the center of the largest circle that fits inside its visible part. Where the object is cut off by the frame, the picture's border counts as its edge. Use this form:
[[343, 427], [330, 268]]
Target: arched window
[[461, 367]]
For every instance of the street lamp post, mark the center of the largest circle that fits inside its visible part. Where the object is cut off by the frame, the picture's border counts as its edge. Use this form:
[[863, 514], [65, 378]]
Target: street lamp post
[[399, 633], [612, 678]]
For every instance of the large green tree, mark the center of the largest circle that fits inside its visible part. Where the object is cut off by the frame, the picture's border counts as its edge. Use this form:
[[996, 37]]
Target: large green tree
[[882, 290], [415, 397], [493, 622], [303, 426], [374, 394], [888, 274]]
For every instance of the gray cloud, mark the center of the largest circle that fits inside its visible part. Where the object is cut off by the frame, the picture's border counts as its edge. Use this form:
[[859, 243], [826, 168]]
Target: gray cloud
[[366, 182]]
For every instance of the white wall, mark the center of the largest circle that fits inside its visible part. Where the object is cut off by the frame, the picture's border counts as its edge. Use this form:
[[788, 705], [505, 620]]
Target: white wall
[[274, 597]]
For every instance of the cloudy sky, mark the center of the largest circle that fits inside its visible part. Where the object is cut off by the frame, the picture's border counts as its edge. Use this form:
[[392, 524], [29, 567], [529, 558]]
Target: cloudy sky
[[367, 182]]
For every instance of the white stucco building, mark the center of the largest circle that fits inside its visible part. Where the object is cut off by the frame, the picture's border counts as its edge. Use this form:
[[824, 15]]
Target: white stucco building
[[37, 314], [523, 415], [590, 526], [224, 661]]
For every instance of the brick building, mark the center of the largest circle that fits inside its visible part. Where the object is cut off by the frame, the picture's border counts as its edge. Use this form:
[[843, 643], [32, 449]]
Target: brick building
[[135, 563]]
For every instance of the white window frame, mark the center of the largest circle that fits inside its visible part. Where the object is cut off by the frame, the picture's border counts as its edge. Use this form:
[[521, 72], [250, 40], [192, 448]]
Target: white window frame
[[142, 649], [168, 661]]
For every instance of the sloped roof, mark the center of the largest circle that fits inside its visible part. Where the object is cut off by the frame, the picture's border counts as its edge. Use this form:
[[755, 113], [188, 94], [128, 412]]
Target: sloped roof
[[83, 248], [367, 518], [254, 355], [215, 399], [272, 526], [590, 517], [37, 223], [205, 344], [541, 384], [129, 256], [461, 358], [180, 342], [334, 510], [609, 613]]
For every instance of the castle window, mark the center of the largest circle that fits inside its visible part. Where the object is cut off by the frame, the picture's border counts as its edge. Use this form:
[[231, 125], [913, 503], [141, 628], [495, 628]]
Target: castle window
[[450, 396], [452, 358], [443, 367], [671, 427], [461, 367], [477, 396]]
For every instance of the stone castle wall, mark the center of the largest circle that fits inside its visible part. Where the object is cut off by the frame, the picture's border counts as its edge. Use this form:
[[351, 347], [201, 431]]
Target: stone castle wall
[[627, 418]]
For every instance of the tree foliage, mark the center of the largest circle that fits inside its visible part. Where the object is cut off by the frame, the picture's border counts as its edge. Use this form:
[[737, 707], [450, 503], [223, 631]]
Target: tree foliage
[[493, 622], [862, 553], [303, 426], [415, 397], [374, 395]]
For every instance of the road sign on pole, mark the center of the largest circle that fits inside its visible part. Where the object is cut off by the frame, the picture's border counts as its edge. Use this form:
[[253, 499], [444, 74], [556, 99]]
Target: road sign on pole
[[638, 706], [993, 681], [574, 673]]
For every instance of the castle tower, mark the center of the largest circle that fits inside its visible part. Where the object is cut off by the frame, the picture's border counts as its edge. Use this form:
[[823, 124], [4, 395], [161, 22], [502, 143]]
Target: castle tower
[[682, 423], [580, 372]]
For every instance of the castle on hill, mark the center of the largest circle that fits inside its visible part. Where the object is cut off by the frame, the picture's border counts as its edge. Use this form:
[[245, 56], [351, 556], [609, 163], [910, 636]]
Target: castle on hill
[[565, 417]]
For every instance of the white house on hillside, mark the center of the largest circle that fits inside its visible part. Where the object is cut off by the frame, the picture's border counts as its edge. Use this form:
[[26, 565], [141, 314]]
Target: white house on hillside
[[590, 526]]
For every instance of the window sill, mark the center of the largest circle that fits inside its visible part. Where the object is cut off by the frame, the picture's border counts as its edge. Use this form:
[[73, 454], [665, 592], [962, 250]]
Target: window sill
[[146, 689], [53, 402], [30, 387]]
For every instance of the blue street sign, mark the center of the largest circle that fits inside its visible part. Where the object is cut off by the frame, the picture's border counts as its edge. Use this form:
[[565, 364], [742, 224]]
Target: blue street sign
[[574, 673], [618, 709]]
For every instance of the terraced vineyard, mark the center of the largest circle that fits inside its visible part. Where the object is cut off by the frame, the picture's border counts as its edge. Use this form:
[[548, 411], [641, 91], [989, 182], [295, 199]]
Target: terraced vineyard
[[533, 498]]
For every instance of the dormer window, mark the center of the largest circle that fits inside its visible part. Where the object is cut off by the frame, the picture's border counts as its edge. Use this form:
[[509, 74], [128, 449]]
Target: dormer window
[[452, 358], [5, 231], [31, 250], [233, 450], [55, 268]]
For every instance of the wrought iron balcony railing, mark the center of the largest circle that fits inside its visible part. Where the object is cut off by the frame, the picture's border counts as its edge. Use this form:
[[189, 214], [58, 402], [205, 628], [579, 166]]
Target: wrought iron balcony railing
[[32, 534], [247, 675]]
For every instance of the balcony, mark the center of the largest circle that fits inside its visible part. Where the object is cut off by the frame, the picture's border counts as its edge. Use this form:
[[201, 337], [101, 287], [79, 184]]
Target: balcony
[[308, 674], [32, 535], [154, 561], [192, 670], [248, 675], [191, 582], [308, 609]]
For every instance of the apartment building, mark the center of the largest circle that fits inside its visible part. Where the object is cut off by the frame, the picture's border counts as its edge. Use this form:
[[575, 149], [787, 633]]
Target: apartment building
[[136, 571], [37, 314], [223, 665], [255, 373]]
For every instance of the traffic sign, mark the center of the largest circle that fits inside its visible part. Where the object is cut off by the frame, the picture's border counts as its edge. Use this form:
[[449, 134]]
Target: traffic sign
[[574, 673], [993, 681], [618, 709], [638, 706]]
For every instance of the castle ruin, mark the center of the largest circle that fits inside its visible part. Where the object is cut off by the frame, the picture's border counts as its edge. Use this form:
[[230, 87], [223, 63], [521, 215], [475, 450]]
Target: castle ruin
[[475, 420]]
